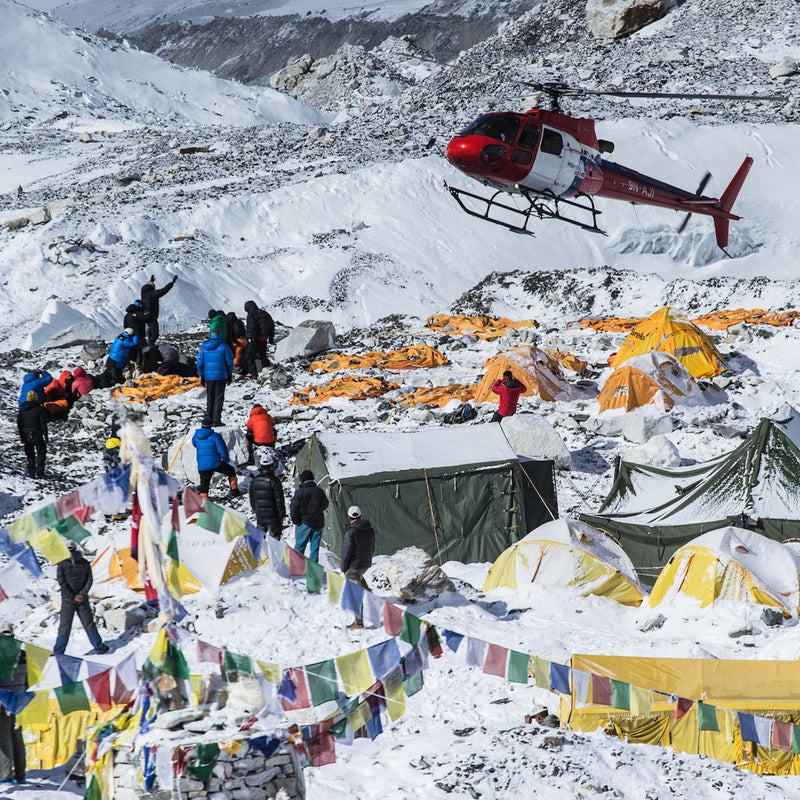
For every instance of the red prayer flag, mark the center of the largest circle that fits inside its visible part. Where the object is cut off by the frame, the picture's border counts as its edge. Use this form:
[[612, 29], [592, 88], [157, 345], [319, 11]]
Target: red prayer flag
[[72, 505], [297, 675], [136, 516], [601, 690], [392, 619], [321, 750], [782, 735], [100, 687], [3, 595], [682, 706], [192, 502], [176, 515], [297, 563], [496, 659], [207, 652]]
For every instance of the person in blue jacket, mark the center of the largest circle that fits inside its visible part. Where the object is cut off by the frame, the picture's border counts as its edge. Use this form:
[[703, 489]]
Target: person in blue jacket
[[34, 381], [215, 368], [118, 357], [212, 456]]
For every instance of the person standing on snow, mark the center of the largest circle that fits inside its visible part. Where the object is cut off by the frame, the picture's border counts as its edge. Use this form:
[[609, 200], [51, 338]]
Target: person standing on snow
[[509, 389], [215, 368], [150, 297], [259, 430], [118, 357], [266, 498], [137, 318], [260, 329], [32, 422], [74, 575], [12, 745], [35, 380], [358, 547], [213, 456], [307, 511]]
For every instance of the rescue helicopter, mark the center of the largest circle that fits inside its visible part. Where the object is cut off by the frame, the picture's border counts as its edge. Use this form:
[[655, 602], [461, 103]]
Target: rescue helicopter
[[555, 163]]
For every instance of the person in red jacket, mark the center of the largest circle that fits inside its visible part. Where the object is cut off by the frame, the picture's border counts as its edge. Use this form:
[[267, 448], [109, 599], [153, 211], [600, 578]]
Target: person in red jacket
[[509, 389], [82, 384], [260, 430]]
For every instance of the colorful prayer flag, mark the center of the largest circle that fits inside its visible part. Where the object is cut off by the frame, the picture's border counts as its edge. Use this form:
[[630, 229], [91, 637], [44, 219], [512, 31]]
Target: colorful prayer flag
[[232, 526], [193, 503], [35, 658], [352, 596], [640, 701], [541, 672], [335, 586], [707, 717], [68, 667], [72, 697], [682, 706], [50, 545], [782, 735], [559, 678], [601, 690], [293, 689], [236, 663], [517, 666], [412, 627], [100, 687], [476, 652], [297, 563], [9, 655], [314, 576], [355, 672], [322, 681], [414, 684], [384, 657], [453, 639], [620, 694], [747, 727], [496, 660], [207, 652], [392, 619], [321, 750], [211, 516], [37, 712]]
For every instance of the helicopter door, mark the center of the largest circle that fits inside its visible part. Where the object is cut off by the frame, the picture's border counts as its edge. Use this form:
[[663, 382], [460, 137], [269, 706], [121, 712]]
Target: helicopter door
[[548, 167]]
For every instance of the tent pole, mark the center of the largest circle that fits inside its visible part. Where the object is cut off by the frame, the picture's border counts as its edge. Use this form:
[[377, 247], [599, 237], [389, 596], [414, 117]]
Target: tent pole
[[433, 516]]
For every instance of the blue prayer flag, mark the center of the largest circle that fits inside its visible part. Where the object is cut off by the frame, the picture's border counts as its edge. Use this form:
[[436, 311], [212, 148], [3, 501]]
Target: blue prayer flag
[[559, 678], [384, 657]]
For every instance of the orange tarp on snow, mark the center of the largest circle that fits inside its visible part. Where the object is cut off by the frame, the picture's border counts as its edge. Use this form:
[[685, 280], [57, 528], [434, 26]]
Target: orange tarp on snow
[[568, 360], [722, 320], [439, 395], [484, 327], [418, 356], [607, 324], [353, 387], [153, 387], [537, 369]]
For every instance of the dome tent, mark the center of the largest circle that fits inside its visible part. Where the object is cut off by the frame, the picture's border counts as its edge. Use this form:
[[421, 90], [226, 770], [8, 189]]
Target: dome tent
[[538, 370], [668, 331], [565, 552], [730, 564]]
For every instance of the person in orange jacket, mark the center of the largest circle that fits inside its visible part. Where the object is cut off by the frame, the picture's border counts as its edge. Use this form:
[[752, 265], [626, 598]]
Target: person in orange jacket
[[259, 430], [509, 390]]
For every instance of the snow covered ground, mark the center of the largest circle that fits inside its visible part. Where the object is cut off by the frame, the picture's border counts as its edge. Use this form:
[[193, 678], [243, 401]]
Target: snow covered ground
[[346, 219]]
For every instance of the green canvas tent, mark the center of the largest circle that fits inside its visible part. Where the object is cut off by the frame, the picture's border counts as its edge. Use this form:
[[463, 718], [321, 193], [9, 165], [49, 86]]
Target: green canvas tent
[[459, 493], [653, 512]]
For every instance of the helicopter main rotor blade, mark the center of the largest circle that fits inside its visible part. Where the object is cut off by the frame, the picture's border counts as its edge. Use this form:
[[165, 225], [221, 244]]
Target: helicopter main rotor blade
[[555, 89], [706, 178]]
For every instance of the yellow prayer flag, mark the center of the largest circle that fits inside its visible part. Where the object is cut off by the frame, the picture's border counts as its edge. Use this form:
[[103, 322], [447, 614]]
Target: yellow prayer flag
[[233, 746], [36, 658], [196, 683], [727, 724], [335, 586], [640, 701], [37, 712], [174, 578], [50, 545], [159, 651], [396, 702], [541, 672], [355, 672], [272, 672], [359, 716], [20, 530], [232, 526]]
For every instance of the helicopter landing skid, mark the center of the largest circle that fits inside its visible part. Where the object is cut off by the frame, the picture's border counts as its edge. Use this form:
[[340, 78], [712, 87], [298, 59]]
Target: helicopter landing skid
[[544, 205]]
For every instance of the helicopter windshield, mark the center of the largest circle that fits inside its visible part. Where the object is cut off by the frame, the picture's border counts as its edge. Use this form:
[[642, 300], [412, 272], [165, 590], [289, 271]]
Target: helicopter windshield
[[496, 126]]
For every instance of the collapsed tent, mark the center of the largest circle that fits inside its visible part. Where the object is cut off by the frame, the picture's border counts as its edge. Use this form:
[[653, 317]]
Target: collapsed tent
[[655, 511], [722, 320], [457, 493], [730, 564], [439, 395], [653, 377], [481, 326], [419, 356], [565, 552], [670, 332], [351, 387], [537, 369], [153, 386]]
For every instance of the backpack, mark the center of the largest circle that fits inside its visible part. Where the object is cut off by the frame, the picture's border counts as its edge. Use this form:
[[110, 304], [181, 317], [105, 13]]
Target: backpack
[[464, 413]]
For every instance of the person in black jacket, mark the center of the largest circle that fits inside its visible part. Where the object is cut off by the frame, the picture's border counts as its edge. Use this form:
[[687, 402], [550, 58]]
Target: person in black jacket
[[266, 498], [150, 298], [32, 422], [137, 317], [307, 511], [358, 547], [260, 330], [12, 746], [74, 575]]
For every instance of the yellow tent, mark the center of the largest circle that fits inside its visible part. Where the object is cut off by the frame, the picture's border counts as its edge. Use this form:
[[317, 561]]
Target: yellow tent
[[565, 552], [537, 369], [730, 564], [649, 378], [671, 332]]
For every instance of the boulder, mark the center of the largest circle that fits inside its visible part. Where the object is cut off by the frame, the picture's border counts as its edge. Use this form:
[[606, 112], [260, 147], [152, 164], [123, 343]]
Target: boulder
[[783, 69], [92, 353], [655, 452], [39, 216], [639, 426], [309, 338], [414, 576], [124, 617], [530, 435], [616, 19], [61, 326], [183, 457]]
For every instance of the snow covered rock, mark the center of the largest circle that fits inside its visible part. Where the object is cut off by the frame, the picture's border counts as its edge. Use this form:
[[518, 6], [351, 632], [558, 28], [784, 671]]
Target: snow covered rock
[[309, 338], [616, 19], [530, 435], [784, 68], [414, 576], [639, 427], [61, 326], [656, 452]]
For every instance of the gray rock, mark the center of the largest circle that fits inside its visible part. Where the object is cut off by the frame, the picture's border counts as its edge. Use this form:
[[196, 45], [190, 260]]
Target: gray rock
[[616, 19], [123, 618], [652, 624], [309, 338], [172, 720], [16, 224], [414, 576], [39, 216], [736, 633], [533, 436], [772, 617], [784, 68], [640, 427]]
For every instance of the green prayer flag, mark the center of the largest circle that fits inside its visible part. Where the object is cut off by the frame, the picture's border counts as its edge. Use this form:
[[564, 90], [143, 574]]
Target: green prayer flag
[[174, 662], [70, 528], [322, 682], [338, 729], [414, 683], [237, 663], [707, 717], [93, 790], [517, 667], [314, 575], [207, 755], [9, 654], [620, 695], [45, 517], [72, 697], [172, 547], [211, 517], [541, 672], [412, 627], [795, 738]]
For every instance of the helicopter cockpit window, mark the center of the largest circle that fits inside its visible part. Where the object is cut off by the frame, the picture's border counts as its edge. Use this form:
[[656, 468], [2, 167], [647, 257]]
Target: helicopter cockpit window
[[529, 136], [551, 142], [497, 126]]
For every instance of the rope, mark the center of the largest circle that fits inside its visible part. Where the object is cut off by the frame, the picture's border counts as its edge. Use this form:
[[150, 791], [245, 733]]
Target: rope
[[538, 493], [177, 453], [433, 515], [74, 767]]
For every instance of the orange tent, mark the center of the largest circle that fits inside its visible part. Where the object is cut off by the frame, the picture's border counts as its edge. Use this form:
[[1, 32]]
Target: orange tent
[[481, 326], [537, 369]]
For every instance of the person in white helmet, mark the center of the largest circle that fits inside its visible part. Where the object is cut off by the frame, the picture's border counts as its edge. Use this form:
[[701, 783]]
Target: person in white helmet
[[358, 547]]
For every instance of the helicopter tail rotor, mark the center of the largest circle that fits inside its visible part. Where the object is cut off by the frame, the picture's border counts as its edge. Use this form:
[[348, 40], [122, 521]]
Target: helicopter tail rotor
[[698, 193]]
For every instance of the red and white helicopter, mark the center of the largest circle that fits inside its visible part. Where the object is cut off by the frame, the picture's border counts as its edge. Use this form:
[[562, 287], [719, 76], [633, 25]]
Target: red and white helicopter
[[555, 162]]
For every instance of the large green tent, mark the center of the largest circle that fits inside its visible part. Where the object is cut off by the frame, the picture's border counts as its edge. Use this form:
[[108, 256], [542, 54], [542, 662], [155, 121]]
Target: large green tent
[[655, 511], [459, 493]]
